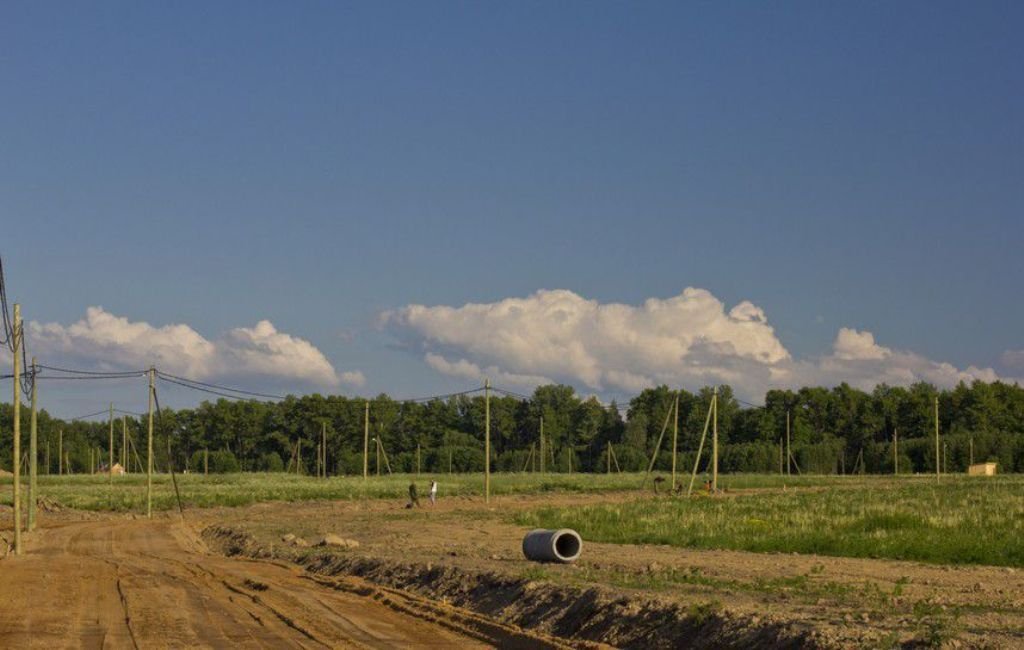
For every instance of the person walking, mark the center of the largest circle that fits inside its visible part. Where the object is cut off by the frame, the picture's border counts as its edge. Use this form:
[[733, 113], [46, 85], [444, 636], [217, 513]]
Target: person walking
[[433, 492]]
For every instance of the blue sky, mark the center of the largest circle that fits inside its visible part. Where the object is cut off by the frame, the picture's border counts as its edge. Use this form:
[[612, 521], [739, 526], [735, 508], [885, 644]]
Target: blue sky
[[851, 165]]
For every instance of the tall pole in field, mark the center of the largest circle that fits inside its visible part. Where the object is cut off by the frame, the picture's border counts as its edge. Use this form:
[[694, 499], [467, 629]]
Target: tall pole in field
[[789, 451], [895, 452], [366, 441], [714, 445], [675, 442], [110, 460], [33, 457], [16, 457], [60, 453], [487, 440], [124, 443], [609, 457], [323, 446], [149, 447], [542, 444], [938, 460]]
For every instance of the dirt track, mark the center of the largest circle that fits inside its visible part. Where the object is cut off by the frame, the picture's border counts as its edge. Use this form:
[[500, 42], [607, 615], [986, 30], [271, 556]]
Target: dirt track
[[112, 583]]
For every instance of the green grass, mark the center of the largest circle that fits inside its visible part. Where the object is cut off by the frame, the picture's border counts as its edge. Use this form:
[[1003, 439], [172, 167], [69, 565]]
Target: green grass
[[960, 521], [92, 492]]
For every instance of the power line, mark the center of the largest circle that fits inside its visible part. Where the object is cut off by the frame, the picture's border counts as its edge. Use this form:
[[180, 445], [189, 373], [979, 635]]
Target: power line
[[186, 380]]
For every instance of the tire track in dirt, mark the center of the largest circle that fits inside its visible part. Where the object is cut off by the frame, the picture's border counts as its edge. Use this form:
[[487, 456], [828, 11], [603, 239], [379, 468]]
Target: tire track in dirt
[[142, 584]]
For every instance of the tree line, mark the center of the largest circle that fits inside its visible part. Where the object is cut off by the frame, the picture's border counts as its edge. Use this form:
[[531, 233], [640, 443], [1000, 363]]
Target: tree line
[[837, 430]]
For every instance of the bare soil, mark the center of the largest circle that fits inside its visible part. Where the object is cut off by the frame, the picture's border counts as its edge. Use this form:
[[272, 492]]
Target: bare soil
[[453, 575], [110, 582], [465, 552]]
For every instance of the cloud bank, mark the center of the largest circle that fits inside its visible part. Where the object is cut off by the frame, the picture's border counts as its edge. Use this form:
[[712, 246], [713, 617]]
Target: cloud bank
[[106, 341], [686, 340]]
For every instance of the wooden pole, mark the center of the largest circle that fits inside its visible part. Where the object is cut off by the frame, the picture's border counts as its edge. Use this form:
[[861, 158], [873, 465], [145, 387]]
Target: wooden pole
[[376, 439], [323, 447], [700, 450], [542, 444], [938, 460], [110, 460], [789, 448], [33, 454], [149, 446], [895, 452], [487, 440], [60, 453], [124, 444], [609, 457], [781, 470], [16, 456], [675, 441], [714, 445], [366, 441]]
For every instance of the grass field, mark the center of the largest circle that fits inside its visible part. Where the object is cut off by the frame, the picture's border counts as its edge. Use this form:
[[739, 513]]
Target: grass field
[[93, 492], [960, 521]]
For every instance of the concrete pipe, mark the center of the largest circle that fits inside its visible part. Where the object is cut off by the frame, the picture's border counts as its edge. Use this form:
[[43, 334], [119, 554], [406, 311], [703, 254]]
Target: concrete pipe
[[562, 545]]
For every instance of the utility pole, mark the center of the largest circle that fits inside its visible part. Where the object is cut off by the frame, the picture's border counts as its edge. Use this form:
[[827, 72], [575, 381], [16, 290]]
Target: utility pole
[[366, 441], [895, 452], [33, 457], [323, 445], [714, 445], [609, 457], [789, 450], [149, 446], [487, 440], [124, 443], [16, 457], [110, 461], [60, 453], [542, 444], [675, 442], [377, 440], [938, 460]]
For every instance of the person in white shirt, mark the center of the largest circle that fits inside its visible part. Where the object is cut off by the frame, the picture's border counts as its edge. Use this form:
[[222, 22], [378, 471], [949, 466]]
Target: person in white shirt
[[433, 492]]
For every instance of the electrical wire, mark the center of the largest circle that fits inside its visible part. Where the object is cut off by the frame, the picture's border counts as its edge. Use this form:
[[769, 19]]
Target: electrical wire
[[217, 387]]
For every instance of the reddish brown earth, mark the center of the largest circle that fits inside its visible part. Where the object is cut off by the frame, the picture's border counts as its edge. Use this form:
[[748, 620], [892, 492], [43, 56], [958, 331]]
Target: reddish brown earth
[[453, 576], [114, 583]]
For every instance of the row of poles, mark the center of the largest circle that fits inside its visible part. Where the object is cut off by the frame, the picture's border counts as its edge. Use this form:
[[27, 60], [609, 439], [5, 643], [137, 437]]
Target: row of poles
[[33, 455]]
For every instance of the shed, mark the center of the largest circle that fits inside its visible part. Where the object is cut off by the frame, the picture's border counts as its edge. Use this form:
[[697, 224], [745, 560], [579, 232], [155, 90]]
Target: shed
[[982, 469], [117, 470]]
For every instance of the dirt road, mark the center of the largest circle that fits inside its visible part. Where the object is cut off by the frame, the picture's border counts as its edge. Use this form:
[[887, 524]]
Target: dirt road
[[112, 583]]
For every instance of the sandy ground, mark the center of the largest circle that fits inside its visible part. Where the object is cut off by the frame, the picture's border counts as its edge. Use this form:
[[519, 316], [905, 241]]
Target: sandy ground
[[852, 602], [116, 583], [453, 576]]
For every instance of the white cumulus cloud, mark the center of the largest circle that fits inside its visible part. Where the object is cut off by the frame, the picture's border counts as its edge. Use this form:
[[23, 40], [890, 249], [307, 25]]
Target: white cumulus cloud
[[107, 341], [686, 340]]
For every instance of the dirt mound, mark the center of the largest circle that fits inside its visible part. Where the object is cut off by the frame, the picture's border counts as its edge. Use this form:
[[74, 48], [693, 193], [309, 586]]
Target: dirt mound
[[232, 542], [586, 616]]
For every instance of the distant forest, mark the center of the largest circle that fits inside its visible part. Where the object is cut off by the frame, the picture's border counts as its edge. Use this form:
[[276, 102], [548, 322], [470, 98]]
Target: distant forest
[[838, 430]]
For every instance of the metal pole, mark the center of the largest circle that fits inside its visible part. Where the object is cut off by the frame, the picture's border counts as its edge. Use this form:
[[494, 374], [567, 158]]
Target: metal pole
[[714, 445], [33, 454], [16, 457], [149, 447], [366, 441], [487, 440]]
